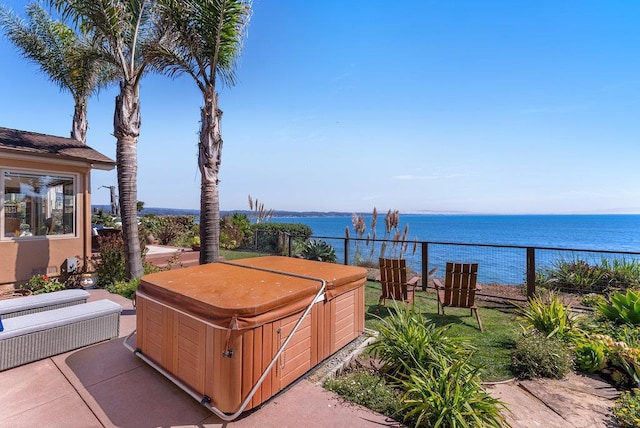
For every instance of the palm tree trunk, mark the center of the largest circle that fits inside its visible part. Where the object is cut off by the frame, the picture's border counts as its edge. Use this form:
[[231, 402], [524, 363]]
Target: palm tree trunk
[[126, 125], [209, 156], [80, 125]]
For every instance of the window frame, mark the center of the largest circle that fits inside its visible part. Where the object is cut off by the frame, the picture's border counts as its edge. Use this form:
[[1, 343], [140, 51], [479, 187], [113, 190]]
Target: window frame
[[74, 177]]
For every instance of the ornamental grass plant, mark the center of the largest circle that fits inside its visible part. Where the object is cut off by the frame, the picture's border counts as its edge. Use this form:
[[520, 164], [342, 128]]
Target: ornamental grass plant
[[449, 394], [493, 347], [549, 315], [407, 339], [580, 276], [441, 387]]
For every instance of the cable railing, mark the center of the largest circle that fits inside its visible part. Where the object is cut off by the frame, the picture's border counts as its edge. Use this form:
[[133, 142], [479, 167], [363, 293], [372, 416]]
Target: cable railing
[[505, 265]]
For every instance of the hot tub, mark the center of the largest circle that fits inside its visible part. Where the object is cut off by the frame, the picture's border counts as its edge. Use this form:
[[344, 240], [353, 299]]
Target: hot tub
[[223, 330]]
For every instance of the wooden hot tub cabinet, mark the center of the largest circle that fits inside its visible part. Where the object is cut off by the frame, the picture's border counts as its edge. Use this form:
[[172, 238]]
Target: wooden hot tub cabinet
[[217, 327]]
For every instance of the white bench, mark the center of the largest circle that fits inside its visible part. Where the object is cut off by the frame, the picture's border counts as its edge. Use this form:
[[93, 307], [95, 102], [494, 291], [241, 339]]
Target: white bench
[[39, 335], [10, 308]]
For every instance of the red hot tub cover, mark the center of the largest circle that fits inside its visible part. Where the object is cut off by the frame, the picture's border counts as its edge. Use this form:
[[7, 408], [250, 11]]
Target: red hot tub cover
[[339, 278], [239, 296]]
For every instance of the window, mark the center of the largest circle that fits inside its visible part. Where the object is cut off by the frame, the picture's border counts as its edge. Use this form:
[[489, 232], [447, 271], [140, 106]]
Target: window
[[38, 204]]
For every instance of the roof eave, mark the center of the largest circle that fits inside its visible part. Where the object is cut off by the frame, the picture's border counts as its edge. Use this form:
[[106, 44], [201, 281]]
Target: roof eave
[[57, 159]]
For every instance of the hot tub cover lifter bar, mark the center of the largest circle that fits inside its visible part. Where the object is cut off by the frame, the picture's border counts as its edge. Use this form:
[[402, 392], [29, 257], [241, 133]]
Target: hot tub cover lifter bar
[[205, 400]]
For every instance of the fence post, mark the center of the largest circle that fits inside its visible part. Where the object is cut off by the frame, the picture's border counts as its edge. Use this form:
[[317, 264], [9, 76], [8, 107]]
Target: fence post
[[346, 251], [290, 244], [425, 265], [531, 271]]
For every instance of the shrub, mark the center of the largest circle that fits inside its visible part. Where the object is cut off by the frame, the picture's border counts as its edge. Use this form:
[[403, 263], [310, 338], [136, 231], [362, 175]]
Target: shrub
[[449, 397], [592, 300], [269, 237], [319, 250], [579, 276], [175, 230], [538, 355], [111, 266], [576, 275], [624, 308], [548, 315], [124, 288], [40, 284], [100, 218], [627, 408], [365, 388], [407, 339], [622, 273], [235, 229]]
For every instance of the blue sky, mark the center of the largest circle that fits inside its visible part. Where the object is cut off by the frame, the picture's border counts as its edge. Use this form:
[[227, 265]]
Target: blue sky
[[446, 106]]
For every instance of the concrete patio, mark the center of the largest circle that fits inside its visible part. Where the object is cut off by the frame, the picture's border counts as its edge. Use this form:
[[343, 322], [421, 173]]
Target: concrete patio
[[105, 385]]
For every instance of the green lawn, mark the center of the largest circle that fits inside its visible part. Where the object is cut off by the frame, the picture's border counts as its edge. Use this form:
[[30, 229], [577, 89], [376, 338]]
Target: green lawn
[[493, 346], [233, 255]]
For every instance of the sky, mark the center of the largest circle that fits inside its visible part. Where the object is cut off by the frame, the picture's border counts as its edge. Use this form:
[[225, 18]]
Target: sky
[[465, 106]]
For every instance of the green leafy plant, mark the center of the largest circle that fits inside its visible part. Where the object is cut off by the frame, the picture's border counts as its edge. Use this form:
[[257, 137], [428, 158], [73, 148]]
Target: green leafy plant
[[40, 284], [235, 229], [622, 273], [548, 315], [538, 355], [627, 360], [124, 288], [366, 388], [111, 266], [317, 249], [578, 275], [624, 308], [407, 339], [592, 300], [449, 397], [270, 237], [591, 356], [177, 230], [626, 333], [627, 408], [100, 218]]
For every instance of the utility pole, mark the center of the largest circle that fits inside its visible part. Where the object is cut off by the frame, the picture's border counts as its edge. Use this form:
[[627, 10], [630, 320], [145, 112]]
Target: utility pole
[[115, 207]]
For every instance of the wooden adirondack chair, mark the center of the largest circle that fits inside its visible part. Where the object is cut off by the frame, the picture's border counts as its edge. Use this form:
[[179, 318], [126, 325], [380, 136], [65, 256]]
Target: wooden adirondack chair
[[459, 289], [393, 278]]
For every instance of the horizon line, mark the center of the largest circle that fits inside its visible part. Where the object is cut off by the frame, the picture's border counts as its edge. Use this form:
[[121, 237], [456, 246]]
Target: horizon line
[[283, 212]]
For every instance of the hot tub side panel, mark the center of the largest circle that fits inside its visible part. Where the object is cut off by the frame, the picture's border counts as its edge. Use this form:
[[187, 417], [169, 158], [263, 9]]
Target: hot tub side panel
[[154, 331], [230, 380], [346, 318], [193, 351]]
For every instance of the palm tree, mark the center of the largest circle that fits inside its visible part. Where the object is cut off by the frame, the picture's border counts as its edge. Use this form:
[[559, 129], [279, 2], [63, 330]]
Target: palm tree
[[70, 60], [122, 27], [204, 39]]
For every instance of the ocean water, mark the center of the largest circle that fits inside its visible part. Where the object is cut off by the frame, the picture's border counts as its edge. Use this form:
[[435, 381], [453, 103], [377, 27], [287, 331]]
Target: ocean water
[[618, 233]]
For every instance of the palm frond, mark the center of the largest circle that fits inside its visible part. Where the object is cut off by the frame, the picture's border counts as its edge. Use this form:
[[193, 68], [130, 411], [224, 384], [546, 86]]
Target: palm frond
[[70, 60], [203, 38], [123, 26]]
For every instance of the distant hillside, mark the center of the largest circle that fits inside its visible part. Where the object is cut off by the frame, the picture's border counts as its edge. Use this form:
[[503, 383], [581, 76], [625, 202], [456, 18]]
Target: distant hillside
[[179, 211]]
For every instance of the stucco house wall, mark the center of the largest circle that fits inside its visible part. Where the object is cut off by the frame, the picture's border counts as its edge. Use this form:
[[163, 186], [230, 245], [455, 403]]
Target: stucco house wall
[[25, 154]]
